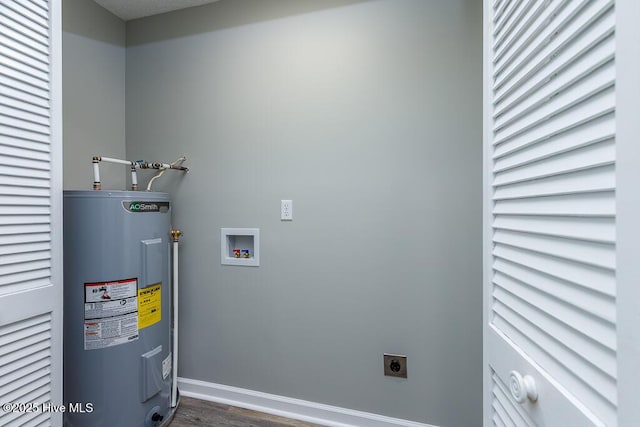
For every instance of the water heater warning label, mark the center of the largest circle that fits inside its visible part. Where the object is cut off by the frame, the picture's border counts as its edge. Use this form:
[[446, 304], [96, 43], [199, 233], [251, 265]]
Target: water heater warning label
[[110, 313], [149, 305]]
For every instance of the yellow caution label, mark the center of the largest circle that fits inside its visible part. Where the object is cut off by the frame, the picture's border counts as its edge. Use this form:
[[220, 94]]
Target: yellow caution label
[[149, 305]]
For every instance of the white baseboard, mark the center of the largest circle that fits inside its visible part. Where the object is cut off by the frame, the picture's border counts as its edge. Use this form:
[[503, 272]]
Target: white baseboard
[[318, 413]]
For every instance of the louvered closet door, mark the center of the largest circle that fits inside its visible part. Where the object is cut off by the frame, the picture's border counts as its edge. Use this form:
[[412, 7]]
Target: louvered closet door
[[550, 255], [30, 212]]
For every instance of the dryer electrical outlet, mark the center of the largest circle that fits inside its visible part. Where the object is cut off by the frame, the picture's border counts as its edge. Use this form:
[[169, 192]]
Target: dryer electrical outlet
[[395, 365]]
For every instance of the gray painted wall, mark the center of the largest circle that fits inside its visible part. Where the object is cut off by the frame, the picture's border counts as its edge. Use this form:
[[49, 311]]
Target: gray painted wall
[[368, 115], [93, 93]]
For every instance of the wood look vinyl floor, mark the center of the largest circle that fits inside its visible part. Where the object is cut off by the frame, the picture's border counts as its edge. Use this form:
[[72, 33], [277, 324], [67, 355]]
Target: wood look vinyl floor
[[201, 413]]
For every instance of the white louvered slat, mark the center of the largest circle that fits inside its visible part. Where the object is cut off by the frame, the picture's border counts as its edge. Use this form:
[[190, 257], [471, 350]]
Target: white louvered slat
[[590, 277], [9, 220], [566, 366], [27, 419], [26, 163], [571, 326], [514, 49], [22, 248], [15, 98], [594, 48], [35, 146], [24, 143], [595, 254], [497, 421], [518, 15], [9, 115], [29, 134], [26, 17], [25, 364], [17, 123], [16, 151], [30, 192], [591, 156], [594, 131], [15, 21], [16, 258], [38, 420], [600, 230], [500, 417], [500, 10], [507, 16], [549, 39], [25, 48], [38, 10], [24, 201], [24, 270], [19, 172], [29, 59], [21, 86], [555, 103], [36, 351], [24, 183], [29, 42], [567, 122], [15, 331], [24, 210], [23, 240], [30, 390], [509, 412], [552, 193], [529, 97], [42, 4], [23, 133], [504, 39], [27, 72], [31, 85], [600, 305], [583, 205], [24, 229], [590, 180], [16, 371]]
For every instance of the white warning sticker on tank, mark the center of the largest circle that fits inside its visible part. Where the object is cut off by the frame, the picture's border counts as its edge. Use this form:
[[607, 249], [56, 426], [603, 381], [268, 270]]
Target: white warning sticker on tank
[[166, 366], [108, 291], [97, 310], [110, 313], [103, 333]]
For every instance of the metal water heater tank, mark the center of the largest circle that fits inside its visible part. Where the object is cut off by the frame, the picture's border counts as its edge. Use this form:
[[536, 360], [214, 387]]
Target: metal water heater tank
[[117, 309]]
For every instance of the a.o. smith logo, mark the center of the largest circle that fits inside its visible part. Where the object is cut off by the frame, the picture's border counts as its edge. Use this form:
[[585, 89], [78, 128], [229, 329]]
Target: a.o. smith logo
[[146, 206]]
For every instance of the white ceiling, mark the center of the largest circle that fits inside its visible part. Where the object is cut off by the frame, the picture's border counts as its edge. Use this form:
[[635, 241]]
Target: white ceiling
[[132, 9]]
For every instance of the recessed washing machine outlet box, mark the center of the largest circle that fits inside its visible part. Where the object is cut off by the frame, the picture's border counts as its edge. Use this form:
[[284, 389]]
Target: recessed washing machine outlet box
[[246, 241]]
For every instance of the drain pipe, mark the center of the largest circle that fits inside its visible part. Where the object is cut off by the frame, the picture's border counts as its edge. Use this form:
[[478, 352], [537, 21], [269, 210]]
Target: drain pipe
[[174, 390]]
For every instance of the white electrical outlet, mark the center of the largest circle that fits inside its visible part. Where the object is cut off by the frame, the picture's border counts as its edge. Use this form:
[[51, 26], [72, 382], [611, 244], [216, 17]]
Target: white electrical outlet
[[286, 210]]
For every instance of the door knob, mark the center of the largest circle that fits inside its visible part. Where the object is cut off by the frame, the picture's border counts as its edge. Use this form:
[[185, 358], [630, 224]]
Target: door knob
[[522, 387]]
